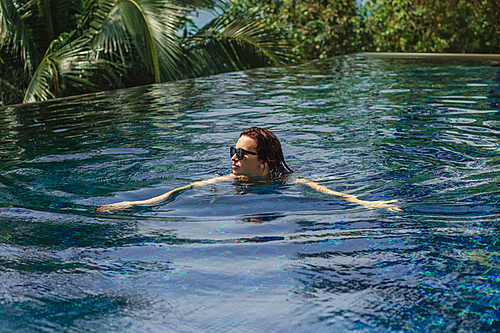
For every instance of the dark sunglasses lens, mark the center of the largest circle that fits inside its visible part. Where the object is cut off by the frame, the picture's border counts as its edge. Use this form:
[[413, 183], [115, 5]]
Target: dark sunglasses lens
[[238, 152]]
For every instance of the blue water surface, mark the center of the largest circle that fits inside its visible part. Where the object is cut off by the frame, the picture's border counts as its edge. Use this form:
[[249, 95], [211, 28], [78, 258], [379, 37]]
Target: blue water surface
[[232, 257]]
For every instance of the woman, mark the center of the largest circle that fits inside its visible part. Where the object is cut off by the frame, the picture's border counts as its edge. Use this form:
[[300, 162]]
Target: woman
[[257, 155]]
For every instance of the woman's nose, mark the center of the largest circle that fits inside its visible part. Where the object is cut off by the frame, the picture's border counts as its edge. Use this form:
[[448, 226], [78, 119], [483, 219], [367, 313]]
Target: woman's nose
[[234, 158]]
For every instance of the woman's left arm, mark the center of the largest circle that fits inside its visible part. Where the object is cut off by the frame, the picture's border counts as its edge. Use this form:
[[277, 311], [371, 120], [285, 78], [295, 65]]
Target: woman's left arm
[[127, 204], [352, 198]]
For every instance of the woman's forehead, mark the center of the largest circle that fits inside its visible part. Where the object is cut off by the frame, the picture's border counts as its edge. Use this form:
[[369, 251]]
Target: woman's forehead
[[246, 143]]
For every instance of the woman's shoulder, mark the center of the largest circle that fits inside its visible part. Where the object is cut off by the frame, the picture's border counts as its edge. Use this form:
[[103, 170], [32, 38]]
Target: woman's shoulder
[[229, 177]]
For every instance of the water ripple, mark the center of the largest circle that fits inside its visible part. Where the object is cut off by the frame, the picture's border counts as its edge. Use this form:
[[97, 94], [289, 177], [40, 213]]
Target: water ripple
[[281, 257]]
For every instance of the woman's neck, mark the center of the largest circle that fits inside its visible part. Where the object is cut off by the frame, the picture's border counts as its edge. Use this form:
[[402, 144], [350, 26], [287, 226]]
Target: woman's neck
[[264, 178]]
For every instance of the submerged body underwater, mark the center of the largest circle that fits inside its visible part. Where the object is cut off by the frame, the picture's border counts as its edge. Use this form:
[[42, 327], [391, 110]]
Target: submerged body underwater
[[245, 256]]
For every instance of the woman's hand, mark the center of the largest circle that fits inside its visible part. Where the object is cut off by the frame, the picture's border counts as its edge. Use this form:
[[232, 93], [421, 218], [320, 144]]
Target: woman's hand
[[377, 204], [115, 206], [352, 198], [160, 198]]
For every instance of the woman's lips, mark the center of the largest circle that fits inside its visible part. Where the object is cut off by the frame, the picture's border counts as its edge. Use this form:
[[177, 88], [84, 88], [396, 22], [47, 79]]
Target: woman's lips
[[235, 166]]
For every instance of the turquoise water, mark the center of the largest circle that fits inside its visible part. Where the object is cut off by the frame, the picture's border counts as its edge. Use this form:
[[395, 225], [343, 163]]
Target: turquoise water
[[241, 258]]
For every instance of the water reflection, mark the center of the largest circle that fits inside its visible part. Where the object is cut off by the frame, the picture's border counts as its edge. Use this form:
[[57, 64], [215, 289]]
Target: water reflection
[[247, 256], [415, 278]]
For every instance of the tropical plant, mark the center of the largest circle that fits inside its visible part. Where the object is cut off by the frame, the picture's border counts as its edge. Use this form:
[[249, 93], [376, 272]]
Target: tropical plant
[[37, 66], [312, 29], [460, 26], [55, 48], [324, 28], [230, 43]]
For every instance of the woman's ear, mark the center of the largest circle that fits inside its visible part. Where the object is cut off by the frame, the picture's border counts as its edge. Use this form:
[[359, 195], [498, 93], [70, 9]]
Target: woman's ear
[[264, 166]]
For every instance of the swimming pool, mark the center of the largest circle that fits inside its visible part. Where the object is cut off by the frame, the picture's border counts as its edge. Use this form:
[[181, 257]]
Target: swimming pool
[[230, 257]]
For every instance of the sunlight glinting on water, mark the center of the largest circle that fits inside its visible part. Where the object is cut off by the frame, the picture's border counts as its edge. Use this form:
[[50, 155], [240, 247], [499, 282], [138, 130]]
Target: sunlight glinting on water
[[240, 257]]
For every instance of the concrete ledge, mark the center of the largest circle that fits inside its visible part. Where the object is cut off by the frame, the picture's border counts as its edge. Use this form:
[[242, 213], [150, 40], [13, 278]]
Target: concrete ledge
[[457, 56]]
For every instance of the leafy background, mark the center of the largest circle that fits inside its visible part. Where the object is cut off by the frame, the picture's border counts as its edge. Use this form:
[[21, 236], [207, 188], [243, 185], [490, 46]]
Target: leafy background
[[57, 48], [322, 29]]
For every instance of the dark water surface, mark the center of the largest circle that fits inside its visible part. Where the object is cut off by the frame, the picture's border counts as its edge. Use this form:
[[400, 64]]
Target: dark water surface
[[236, 258]]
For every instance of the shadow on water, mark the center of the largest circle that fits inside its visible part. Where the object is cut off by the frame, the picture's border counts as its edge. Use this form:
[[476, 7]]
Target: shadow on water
[[431, 280], [246, 257]]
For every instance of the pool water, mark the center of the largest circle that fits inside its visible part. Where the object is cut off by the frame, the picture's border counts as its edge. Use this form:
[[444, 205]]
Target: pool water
[[235, 257]]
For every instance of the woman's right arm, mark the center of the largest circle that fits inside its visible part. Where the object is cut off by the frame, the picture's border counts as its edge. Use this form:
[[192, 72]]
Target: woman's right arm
[[160, 198], [387, 205]]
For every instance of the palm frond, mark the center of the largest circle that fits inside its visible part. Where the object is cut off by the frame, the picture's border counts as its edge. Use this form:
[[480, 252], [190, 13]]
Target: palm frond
[[78, 64], [65, 15], [9, 92], [13, 77], [15, 35], [232, 44], [110, 33], [196, 4], [149, 25], [67, 68], [7, 85], [39, 87]]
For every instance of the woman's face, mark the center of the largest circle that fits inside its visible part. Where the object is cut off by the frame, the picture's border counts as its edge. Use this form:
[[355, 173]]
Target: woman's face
[[250, 165]]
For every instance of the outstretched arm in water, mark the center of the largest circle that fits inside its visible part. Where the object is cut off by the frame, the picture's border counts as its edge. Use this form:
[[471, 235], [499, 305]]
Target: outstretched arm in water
[[128, 204], [351, 198]]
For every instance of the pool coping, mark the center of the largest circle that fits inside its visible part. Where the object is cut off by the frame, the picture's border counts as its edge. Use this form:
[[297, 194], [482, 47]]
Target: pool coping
[[458, 56]]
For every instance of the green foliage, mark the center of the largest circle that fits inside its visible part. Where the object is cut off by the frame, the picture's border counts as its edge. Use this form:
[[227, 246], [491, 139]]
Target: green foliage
[[311, 29], [44, 50], [240, 42], [460, 26], [56, 48], [318, 29]]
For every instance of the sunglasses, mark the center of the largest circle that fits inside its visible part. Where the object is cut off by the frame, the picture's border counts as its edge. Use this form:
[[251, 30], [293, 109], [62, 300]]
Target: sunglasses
[[240, 152]]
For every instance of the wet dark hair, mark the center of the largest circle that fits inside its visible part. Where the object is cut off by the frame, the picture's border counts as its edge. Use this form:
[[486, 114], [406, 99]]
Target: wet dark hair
[[269, 150]]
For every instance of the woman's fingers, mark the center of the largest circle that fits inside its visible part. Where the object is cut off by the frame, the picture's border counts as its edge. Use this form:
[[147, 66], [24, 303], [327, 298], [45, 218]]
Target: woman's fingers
[[106, 208], [116, 206], [382, 204], [394, 208]]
